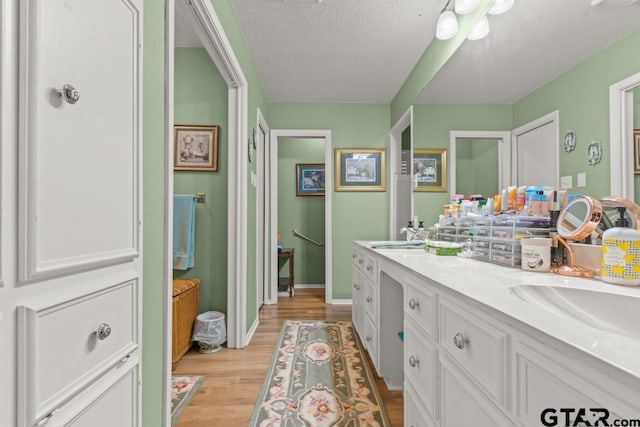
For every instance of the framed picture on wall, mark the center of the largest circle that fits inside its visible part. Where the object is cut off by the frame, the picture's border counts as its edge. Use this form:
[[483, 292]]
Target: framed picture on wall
[[430, 170], [195, 148], [360, 169], [636, 151], [310, 179]]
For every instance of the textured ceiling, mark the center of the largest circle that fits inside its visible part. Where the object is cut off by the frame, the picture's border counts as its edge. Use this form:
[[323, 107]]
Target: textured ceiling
[[363, 50]]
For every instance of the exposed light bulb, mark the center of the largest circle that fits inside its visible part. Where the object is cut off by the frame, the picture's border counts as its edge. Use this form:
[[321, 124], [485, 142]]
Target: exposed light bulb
[[466, 6], [480, 30], [447, 26], [500, 6]]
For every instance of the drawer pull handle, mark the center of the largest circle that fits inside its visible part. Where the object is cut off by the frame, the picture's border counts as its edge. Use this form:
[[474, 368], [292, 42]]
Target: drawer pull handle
[[368, 299], [413, 361], [369, 268], [103, 331], [360, 261], [413, 304], [459, 340], [368, 338]]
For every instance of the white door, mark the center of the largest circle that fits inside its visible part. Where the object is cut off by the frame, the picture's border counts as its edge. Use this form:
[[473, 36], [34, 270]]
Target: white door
[[71, 293], [536, 152]]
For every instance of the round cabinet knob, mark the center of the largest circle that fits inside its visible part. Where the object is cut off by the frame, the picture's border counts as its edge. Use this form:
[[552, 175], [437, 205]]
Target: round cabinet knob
[[70, 94], [459, 340], [369, 268], [413, 361], [368, 299], [413, 304], [103, 331], [360, 261], [353, 256], [368, 338]]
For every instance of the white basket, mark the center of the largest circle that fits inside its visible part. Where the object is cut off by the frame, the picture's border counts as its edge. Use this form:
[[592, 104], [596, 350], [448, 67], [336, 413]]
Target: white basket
[[210, 331]]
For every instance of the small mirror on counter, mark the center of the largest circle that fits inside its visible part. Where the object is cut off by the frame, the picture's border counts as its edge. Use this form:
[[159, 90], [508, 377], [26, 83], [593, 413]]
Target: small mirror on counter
[[577, 221]]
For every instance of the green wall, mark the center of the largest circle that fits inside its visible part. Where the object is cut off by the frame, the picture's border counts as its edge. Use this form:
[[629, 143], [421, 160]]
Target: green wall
[[581, 96], [356, 215], [477, 167], [200, 98], [304, 213], [153, 213], [431, 126]]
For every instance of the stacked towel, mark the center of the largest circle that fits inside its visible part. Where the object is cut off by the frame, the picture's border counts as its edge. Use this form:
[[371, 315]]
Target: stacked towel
[[184, 221], [400, 244]]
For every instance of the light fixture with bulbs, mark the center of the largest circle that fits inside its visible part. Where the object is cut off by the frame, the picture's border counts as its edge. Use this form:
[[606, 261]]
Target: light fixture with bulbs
[[447, 25], [500, 6], [463, 7], [480, 30]]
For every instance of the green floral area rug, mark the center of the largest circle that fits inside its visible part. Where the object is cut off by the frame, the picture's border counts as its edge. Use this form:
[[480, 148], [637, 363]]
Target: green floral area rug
[[319, 377], [183, 388]]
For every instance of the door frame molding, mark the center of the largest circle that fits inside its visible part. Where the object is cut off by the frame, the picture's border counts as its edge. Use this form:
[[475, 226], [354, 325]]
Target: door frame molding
[[395, 153], [212, 35], [621, 135], [273, 202], [262, 196]]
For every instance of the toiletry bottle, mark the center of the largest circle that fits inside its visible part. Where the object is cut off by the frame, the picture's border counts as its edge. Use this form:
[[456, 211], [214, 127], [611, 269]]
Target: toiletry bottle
[[621, 253]]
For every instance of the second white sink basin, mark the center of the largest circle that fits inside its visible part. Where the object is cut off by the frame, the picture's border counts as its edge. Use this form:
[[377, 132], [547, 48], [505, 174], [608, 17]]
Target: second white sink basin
[[610, 312]]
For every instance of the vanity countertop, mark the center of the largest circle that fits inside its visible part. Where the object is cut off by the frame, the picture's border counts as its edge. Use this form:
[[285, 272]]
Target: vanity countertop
[[492, 286]]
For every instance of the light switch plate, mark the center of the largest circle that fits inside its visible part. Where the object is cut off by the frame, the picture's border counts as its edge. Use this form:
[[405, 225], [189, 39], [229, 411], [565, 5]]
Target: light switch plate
[[566, 182], [582, 179]]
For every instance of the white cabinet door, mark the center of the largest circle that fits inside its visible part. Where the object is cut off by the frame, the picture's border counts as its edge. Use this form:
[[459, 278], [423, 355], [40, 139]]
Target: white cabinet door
[[75, 233], [463, 405]]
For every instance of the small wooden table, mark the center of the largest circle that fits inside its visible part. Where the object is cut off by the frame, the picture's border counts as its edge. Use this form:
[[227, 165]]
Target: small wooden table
[[287, 253]]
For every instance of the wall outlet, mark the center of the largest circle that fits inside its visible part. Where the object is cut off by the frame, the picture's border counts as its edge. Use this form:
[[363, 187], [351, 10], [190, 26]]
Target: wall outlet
[[582, 179], [566, 182]]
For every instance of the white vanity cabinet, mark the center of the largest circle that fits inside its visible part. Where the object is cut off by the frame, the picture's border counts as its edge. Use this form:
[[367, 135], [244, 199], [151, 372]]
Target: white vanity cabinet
[[474, 354], [365, 301]]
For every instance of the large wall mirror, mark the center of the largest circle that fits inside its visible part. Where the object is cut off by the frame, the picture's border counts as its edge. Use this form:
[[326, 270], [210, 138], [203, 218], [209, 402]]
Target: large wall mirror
[[480, 162]]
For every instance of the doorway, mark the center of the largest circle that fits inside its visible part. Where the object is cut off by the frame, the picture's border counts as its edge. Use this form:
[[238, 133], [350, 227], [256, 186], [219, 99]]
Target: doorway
[[209, 30], [285, 137], [535, 147]]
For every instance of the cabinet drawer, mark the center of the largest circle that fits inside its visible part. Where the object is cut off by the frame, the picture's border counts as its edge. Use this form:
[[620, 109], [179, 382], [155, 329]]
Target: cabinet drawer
[[421, 305], [462, 403], [421, 368], [478, 346], [371, 300], [370, 267], [414, 413], [60, 350], [371, 340]]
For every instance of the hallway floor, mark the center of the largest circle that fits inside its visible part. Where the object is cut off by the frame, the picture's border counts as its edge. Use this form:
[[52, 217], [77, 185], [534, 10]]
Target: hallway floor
[[233, 377]]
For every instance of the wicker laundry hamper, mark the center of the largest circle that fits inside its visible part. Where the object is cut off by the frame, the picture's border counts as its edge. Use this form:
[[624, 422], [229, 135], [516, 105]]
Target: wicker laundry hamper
[[185, 311]]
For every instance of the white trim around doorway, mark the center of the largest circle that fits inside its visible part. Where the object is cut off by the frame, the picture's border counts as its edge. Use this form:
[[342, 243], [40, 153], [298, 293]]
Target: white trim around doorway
[[273, 198]]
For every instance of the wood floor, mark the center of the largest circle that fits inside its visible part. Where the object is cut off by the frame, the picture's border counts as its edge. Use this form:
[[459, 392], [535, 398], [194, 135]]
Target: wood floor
[[233, 378]]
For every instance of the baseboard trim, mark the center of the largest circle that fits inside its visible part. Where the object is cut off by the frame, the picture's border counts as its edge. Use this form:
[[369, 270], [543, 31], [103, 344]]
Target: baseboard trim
[[309, 286], [341, 302], [251, 332]]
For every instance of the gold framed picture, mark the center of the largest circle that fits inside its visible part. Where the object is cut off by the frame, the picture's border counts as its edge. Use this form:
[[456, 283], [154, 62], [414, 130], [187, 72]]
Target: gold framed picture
[[360, 169], [429, 169], [636, 151], [195, 148]]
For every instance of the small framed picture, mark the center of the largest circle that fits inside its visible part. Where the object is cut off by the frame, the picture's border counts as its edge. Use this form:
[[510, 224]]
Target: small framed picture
[[195, 148], [636, 151], [309, 179], [429, 170], [360, 169]]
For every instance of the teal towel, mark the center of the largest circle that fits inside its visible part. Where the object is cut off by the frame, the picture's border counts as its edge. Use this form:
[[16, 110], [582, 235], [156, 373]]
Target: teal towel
[[400, 244], [184, 222]]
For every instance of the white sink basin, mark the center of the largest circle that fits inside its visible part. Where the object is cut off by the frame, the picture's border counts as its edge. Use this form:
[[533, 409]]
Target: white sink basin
[[615, 313]]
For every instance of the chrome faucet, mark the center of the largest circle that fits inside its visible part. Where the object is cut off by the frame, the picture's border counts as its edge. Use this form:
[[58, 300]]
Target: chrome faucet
[[411, 233]]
